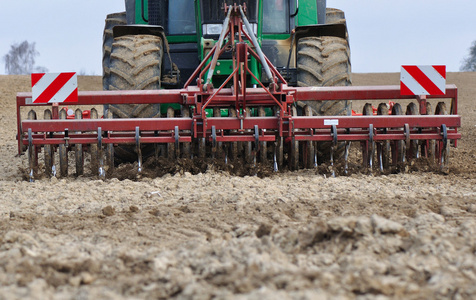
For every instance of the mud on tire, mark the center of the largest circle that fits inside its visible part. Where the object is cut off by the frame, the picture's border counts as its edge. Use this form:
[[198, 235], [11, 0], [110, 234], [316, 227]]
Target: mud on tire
[[325, 61], [111, 21], [135, 64]]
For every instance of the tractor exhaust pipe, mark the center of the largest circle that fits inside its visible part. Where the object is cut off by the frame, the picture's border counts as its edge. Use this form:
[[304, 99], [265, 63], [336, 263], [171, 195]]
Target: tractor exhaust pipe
[[321, 11]]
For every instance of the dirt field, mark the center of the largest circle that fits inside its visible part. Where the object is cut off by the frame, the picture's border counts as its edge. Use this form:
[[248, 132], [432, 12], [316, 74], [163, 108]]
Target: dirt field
[[295, 235]]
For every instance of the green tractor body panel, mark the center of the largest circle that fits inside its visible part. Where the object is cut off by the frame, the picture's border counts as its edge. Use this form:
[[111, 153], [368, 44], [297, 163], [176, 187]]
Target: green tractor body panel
[[307, 15]]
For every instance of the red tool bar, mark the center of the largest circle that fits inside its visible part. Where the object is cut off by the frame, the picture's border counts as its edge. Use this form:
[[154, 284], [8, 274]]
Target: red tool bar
[[394, 121], [231, 123], [122, 97], [118, 140], [362, 93], [238, 124], [321, 137], [147, 96], [244, 138], [253, 94], [149, 124]]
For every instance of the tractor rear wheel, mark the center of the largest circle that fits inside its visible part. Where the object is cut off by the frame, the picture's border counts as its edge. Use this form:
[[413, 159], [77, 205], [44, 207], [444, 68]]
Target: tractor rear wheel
[[107, 40], [325, 61], [135, 64], [335, 16]]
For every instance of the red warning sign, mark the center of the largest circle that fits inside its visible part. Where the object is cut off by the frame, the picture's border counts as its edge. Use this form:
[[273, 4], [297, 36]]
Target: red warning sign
[[54, 87], [423, 80]]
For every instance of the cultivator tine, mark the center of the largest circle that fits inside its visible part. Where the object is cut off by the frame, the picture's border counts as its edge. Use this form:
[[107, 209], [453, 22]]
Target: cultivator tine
[[380, 158], [275, 160], [63, 148], [214, 142], [383, 147], [31, 155], [109, 147], [333, 148], [257, 144], [233, 145], [444, 152], [367, 149], [309, 153], [346, 158], [406, 132], [101, 171], [186, 147], [333, 172], [279, 152], [443, 145], [139, 151], [93, 148], [78, 151], [217, 146], [372, 146], [170, 146], [50, 169], [177, 145], [263, 149], [430, 144], [294, 153], [315, 156], [226, 154], [248, 146]]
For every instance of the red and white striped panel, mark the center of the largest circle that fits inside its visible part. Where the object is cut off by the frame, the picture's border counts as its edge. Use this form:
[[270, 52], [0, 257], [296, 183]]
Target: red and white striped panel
[[423, 80], [54, 87]]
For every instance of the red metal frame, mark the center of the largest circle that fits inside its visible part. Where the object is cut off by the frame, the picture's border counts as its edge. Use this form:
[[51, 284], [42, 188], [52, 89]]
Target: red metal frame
[[240, 97], [427, 124]]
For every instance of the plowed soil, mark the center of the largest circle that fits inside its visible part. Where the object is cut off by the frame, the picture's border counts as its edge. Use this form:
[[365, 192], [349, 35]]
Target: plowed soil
[[292, 235]]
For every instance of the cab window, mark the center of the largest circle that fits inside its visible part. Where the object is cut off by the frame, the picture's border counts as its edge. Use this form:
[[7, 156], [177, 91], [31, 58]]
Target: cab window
[[275, 16], [181, 18]]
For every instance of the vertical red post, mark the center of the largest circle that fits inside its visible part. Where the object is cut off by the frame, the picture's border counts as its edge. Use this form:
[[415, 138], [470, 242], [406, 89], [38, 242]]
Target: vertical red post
[[422, 102]]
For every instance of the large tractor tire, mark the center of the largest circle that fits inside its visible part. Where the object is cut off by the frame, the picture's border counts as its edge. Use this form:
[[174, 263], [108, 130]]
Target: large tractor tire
[[335, 16], [108, 38], [135, 64], [325, 61]]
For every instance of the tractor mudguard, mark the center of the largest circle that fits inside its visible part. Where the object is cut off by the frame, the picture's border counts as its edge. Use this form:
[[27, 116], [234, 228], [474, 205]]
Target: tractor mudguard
[[122, 30], [337, 30]]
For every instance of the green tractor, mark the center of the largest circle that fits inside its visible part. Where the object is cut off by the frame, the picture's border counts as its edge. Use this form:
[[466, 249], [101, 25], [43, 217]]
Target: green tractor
[[158, 44]]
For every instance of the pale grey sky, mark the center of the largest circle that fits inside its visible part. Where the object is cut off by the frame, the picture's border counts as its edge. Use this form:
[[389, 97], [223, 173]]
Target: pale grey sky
[[384, 34]]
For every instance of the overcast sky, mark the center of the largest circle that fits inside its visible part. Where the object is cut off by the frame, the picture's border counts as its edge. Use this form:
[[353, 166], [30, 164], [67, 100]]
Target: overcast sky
[[384, 34]]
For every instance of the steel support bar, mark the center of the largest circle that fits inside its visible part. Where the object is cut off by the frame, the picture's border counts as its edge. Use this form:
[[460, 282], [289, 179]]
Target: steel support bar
[[230, 123], [377, 121], [117, 140], [245, 138], [257, 94], [119, 97], [362, 93], [365, 137], [248, 137], [147, 124]]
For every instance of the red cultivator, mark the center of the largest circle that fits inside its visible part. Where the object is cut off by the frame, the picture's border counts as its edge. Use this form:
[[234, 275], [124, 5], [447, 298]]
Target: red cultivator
[[291, 135]]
